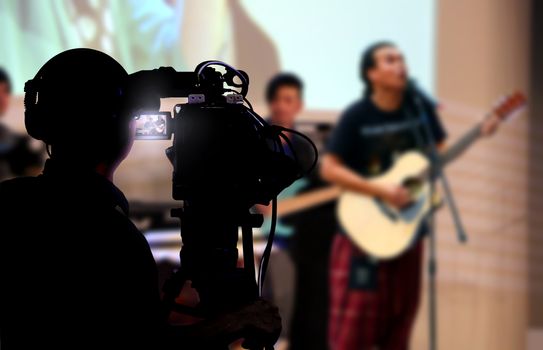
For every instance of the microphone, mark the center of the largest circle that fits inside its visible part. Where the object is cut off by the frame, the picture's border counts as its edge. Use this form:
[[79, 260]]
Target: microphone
[[417, 96], [413, 98], [411, 86]]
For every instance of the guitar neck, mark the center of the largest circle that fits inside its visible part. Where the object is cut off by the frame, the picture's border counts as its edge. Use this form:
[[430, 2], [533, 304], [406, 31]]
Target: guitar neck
[[307, 200], [461, 145]]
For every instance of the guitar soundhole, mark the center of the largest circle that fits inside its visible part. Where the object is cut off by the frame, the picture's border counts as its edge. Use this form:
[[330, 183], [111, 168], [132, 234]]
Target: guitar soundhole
[[413, 185]]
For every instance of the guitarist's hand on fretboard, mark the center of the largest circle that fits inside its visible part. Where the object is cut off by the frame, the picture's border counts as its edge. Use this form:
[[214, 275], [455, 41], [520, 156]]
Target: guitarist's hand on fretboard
[[509, 105], [490, 125]]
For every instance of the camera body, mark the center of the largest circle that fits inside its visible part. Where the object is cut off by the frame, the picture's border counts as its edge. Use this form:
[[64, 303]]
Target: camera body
[[219, 152], [221, 148], [224, 154]]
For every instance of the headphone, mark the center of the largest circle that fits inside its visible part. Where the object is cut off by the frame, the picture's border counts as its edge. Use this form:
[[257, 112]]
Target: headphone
[[40, 115], [34, 117]]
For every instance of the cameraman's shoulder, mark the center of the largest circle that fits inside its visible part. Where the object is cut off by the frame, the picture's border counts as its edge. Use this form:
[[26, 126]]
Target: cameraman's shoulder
[[18, 187]]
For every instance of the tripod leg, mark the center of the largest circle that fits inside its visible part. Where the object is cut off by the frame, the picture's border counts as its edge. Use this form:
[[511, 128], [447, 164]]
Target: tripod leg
[[432, 287], [460, 231]]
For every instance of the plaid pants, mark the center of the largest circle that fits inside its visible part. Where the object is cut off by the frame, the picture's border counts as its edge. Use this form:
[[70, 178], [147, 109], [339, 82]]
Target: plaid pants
[[380, 318]]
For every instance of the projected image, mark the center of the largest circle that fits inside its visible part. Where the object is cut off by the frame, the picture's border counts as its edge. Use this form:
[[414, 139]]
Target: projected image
[[152, 126], [319, 42], [140, 34]]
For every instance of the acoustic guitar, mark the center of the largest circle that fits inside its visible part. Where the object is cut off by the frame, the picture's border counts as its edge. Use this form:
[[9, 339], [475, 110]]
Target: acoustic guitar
[[384, 231]]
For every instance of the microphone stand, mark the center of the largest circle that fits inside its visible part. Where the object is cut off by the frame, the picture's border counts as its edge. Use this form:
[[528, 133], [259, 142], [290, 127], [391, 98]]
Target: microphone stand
[[437, 173]]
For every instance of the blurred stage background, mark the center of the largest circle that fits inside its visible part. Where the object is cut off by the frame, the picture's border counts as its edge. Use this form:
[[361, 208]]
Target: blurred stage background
[[465, 52]]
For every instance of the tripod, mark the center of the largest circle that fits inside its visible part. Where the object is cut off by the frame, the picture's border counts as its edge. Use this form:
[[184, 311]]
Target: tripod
[[210, 261]]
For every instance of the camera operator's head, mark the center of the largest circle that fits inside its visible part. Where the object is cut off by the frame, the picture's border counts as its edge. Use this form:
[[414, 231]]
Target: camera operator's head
[[75, 105]]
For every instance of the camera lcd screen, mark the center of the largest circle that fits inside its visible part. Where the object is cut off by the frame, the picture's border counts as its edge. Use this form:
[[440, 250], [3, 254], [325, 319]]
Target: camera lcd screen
[[153, 126]]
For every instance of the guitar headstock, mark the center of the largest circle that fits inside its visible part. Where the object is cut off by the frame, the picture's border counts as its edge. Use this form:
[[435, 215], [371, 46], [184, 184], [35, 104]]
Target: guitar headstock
[[509, 105]]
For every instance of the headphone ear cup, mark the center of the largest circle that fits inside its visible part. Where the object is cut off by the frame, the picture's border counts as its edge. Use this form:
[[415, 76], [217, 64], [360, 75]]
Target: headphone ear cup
[[33, 116]]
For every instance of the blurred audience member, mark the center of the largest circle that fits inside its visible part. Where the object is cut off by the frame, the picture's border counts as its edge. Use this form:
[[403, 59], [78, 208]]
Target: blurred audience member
[[284, 96], [298, 270], [16, 156]]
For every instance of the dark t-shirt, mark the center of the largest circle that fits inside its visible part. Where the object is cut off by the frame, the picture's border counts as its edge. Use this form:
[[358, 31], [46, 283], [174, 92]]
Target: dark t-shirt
[[368, 139]]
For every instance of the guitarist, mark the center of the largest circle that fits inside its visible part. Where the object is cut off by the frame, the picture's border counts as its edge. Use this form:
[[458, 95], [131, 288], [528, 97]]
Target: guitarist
[[374, 304]]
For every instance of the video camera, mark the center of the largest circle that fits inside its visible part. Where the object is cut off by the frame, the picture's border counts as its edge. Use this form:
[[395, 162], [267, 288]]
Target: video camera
[[221, 147], [225, 154]]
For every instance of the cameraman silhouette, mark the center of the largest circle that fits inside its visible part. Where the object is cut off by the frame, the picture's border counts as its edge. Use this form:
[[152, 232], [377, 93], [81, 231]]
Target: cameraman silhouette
[[74, 271]]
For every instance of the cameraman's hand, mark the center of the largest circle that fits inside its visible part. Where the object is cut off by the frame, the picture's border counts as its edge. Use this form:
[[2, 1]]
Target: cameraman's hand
[[258, 323]]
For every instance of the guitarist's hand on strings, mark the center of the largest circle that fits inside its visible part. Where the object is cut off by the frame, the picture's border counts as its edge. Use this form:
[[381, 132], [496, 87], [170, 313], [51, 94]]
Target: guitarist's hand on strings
[[397, 196]]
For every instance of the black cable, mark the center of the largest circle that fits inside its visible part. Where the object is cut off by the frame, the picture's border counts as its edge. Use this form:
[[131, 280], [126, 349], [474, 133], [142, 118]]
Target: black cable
[[267, 251], [315, 150], [248, 103], [289, 143], [280, 146], [277, 132], [257, 118]]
